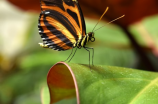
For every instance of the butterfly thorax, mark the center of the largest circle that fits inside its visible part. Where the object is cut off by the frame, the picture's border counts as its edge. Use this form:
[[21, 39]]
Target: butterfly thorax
[[82, 42]]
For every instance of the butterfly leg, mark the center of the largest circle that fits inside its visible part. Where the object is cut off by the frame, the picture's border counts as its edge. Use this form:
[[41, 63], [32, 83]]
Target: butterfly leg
[[69, 55], [87, 48], [72, 55]]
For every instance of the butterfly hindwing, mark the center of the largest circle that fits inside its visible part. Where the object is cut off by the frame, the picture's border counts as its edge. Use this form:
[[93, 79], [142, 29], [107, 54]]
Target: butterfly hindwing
[[61, 23]]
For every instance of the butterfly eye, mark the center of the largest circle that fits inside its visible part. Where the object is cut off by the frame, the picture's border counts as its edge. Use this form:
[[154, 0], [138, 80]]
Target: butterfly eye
[[92, 39]]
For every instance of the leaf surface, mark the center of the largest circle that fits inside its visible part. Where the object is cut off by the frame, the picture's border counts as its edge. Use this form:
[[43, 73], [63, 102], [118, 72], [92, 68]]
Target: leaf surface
[[102, 84]]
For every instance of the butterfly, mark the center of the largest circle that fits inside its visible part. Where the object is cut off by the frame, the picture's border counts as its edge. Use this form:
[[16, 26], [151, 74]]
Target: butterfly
[[62, 26]]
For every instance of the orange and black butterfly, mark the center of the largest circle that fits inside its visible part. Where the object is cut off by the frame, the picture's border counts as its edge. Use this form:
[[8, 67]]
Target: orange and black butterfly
[[62, 25]]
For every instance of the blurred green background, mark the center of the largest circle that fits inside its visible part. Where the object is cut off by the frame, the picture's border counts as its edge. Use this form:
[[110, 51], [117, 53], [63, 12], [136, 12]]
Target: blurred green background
[[24, 64]]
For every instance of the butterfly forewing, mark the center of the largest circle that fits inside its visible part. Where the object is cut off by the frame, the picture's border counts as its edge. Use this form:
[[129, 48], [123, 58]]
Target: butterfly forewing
[[61, 23]]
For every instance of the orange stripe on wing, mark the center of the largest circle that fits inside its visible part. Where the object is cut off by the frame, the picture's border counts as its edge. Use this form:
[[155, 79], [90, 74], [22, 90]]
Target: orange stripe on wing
[[60, 27], [42, 3], [76, 10], [51, 36], [75, 25], [69, 17]]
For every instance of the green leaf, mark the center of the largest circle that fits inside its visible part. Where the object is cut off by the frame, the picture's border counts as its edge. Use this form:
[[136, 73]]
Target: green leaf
[[101, 85]]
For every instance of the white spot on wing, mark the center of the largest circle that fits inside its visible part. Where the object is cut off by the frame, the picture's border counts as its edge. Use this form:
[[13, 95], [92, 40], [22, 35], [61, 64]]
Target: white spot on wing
[[47, 12], [50, 46], [45, 42]]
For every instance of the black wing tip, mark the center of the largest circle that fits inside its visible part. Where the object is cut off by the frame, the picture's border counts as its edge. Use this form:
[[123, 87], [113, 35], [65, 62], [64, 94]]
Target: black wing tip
[[55, 48], [47, 45]]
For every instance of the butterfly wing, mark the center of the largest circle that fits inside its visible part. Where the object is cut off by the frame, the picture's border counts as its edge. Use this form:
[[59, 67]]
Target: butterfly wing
[[61, 24]]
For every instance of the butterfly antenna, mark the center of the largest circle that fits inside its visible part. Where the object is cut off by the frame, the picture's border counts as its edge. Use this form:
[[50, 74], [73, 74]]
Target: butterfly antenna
[[110, 22], [101, 18]]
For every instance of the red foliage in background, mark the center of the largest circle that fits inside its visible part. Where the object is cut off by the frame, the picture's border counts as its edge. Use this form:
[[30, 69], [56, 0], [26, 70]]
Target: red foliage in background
[[134, 10], [27, 5]]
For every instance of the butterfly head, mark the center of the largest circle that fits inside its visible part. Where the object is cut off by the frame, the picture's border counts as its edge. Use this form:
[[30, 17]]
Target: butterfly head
[[91, 36]]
